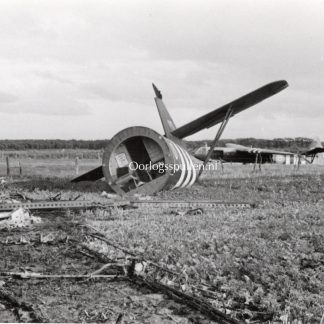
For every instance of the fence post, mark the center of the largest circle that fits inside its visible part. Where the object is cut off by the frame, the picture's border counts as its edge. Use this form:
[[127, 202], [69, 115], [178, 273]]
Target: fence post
[[8, 166], [20, 169], [77, 165]]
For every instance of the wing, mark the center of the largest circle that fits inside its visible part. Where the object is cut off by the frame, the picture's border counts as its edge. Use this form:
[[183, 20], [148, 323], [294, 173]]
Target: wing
[[238, 147], [242, 148], [268, 151], [237, 106], [92, 175]]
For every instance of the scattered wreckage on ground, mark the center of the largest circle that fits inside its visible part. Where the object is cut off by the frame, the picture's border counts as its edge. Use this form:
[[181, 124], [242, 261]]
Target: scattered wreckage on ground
[[143, 146]]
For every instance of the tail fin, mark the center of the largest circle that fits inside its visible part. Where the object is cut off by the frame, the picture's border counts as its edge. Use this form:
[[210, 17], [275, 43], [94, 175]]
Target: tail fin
[[314, 148], [167, 122]]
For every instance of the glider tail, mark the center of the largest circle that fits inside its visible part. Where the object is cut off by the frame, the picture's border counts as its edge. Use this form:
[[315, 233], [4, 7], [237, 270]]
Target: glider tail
[[315, 144], [167, 122]]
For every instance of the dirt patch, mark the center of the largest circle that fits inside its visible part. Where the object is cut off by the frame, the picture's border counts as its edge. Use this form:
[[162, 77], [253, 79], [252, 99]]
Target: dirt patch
[[51, 247]]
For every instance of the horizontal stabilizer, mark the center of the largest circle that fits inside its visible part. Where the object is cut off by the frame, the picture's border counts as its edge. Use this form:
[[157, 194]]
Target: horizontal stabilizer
[[314, 148], [238, 105], [314, 151], [92, 175]]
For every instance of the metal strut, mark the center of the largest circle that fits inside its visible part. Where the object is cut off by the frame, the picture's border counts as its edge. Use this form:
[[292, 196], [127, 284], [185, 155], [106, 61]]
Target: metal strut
[[258, 160], [216, 139], [160, 204], [312, 158], [301, 157]]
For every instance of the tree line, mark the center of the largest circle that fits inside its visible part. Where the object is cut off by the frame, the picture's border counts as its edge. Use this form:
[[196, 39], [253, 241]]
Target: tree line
[[56, 144], [284, 144], [290, 144]]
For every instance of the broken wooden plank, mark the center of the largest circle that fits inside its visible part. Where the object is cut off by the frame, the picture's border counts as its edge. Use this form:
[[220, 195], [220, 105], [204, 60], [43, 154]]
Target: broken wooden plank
[[192, 301], [99, 256]]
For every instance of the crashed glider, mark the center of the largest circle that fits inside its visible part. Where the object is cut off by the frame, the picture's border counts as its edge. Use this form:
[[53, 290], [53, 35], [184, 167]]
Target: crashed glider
[[140, 160]]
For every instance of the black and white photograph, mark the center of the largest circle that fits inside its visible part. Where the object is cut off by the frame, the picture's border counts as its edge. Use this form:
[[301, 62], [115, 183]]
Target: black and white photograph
[[162, 161]]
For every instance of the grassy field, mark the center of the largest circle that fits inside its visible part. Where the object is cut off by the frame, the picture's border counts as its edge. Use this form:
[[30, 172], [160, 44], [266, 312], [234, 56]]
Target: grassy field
[[45, 167], [267, 263], [266, 260], [43, 164]]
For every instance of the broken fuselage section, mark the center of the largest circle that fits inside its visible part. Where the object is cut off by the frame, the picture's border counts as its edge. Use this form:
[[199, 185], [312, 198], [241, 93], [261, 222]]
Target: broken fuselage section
[[140, 160]]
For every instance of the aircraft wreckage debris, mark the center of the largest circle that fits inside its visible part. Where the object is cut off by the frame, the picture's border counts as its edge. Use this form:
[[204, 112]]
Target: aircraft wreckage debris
[[126, 204], [178, 286], [140, 160], [18, 218], [22, 308]]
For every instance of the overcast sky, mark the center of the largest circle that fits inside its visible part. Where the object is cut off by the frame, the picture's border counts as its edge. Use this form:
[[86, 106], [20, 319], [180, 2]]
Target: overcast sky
[[83, 69]]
